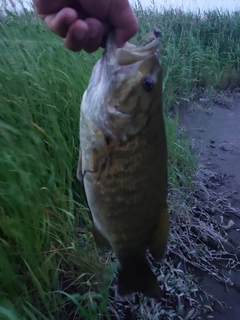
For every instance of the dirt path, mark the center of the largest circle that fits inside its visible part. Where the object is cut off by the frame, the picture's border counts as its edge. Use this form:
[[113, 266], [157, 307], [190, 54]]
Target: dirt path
[[214, 126]]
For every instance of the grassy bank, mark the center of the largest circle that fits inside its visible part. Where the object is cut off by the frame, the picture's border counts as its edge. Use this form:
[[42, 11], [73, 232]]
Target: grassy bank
[[49, 266]]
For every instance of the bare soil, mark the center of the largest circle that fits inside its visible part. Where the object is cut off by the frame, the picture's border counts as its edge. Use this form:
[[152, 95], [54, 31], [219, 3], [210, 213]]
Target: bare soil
[[213, 124]]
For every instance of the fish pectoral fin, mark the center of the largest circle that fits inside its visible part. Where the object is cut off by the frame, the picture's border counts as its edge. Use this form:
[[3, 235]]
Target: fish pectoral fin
[[94, 146], [102, 158], [79, 168], [135, 275], [159, 239], [100, 240], [101, 164]]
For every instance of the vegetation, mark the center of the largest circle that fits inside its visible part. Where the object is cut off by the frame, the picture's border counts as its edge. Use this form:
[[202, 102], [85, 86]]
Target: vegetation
[[49, 265]]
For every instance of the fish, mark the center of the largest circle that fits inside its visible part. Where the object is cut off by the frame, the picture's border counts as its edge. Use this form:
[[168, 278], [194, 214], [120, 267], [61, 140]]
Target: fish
[[123, 159]]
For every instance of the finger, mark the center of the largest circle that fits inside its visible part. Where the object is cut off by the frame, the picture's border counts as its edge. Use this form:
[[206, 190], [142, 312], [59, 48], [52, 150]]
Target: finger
[[96, 8], [123, 35], [96, 33], [124, 20], [46, 7], [77, 36], [60, 22]]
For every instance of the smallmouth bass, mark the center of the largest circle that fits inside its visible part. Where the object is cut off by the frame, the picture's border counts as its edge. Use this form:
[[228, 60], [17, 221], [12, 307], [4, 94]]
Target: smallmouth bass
[[123, 159]]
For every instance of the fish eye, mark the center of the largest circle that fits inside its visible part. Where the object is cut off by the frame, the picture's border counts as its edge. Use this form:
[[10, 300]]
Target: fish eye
[[148, 83]]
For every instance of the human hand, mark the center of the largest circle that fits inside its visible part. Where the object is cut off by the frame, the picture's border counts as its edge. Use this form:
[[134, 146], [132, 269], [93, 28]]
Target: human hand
[[84, 24]]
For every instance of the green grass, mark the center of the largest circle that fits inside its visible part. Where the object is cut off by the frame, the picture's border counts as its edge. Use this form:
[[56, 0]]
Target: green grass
[[49, 265], [197, 48], [40, 199]]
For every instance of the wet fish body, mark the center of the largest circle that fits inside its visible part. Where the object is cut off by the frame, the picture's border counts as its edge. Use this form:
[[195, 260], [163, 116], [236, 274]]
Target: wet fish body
[[123, 159]]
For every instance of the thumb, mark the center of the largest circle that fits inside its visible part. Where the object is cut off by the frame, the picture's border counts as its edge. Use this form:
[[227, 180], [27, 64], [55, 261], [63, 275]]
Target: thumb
[[123, 19]]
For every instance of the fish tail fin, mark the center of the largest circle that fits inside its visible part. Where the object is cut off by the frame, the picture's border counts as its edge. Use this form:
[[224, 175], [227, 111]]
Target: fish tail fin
[[135, 275]]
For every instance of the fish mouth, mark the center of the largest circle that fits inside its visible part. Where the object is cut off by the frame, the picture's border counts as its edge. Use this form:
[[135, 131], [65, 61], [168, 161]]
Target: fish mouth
[[131, 53], [115, 59]]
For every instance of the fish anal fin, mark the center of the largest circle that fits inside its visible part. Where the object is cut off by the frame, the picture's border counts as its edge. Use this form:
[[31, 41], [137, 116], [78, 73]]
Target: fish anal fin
[[159, 239], [135, 275], [100, 240]]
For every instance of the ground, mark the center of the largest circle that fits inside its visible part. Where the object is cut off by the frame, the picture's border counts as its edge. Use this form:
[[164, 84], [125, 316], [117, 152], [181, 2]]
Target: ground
[[213, 122]]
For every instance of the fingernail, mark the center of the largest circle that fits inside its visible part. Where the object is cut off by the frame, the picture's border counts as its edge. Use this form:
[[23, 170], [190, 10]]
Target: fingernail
[[93, 32]]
